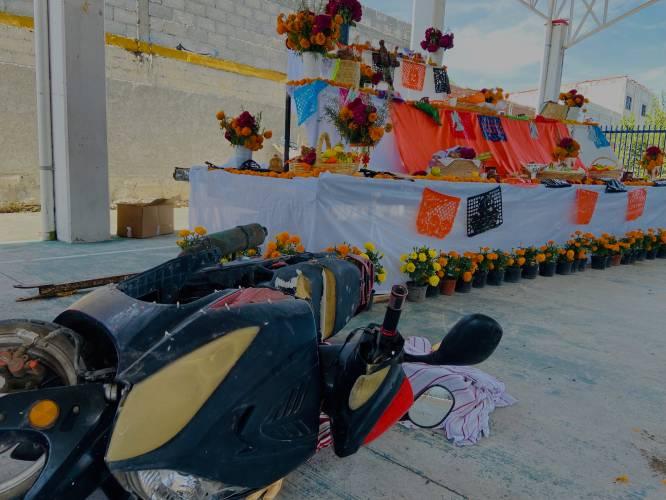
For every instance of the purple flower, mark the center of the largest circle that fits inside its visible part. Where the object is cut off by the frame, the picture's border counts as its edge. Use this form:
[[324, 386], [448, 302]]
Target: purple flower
[[446, 41], [566, 142], [350, 10], [424, 45], [322, 23], [467, 153], [245, 119]]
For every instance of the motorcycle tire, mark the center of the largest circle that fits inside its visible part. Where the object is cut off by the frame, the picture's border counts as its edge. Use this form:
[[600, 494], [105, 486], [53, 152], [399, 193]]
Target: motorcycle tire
[[58, 355]]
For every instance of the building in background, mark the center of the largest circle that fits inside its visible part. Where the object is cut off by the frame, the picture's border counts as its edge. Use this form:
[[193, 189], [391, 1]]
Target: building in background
[[611, 99]]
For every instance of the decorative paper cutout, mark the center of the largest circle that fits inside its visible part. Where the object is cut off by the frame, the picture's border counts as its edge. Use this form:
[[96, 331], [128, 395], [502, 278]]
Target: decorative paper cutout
[[462, 126], [534, 130], [413, 75], [636, 203], [437, 213], [586, 203], [492, 129], [484, 212], [442, 83], [306, 99], [349, 73], [598, 137]]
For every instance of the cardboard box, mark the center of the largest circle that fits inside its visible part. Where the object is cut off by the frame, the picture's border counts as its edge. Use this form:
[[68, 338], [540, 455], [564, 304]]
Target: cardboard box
[[145, 219], [554, 111]]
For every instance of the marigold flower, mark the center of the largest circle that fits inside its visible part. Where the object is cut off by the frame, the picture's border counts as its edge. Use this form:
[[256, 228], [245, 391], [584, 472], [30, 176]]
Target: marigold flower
[[200, 230], [413, 256], [300, 248], [184, 233], [220, 115], [295, 239], [411, 267], [467, 276], [423, 257], [343, 249], [370, 247], [381, 277], [436, 266], [404, 257], [521, 261], [432, 253], [433, 280], [268, 134]]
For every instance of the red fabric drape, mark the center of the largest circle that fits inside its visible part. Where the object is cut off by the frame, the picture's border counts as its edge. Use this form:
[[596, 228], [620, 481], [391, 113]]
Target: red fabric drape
[[418, 137]]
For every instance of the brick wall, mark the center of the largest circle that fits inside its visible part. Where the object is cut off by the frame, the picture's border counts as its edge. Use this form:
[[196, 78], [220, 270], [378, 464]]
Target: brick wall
[[239, 30]]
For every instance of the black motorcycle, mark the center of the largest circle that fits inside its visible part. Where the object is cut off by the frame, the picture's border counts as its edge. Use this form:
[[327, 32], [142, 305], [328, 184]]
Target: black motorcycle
[[196, 379]]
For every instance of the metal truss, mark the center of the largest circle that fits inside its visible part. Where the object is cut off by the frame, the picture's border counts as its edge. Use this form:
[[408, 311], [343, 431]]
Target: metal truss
[[585, 17]]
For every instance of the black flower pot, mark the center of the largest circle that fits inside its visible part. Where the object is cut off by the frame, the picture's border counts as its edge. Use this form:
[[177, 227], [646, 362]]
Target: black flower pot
[[530, 271], [574, 266], [480, 279], [661, 254], [564, 268], [512, 274], [626, 258], [641, 255], [463, 286], [547, 269], [599, 262], [432, 291], [651, 254], [496, 277], [582, 265], [609, 260], [632, 257]]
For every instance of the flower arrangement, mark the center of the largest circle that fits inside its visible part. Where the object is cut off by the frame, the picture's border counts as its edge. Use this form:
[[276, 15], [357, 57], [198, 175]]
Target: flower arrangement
[[422, 266], [244, 130], [548, 252], [653, 158], [359, 122], [310, 32], [376, 257], [493, 96], [284, 244], [531, 256], [567, 252], [189, 239], [500, 260], [573, 99], [350, 11], [369, 76], [435, 40], [567, 147]]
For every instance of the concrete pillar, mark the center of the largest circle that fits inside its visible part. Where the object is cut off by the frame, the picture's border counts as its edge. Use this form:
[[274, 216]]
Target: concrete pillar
[[426, 13], [78, 100], [553, 63]]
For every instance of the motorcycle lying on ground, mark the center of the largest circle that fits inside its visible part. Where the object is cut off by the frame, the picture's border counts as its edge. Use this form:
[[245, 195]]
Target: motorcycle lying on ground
[[198, 379]]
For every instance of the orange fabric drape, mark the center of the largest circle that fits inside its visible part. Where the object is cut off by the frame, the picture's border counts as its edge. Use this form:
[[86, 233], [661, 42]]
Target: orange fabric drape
[[418, 137]]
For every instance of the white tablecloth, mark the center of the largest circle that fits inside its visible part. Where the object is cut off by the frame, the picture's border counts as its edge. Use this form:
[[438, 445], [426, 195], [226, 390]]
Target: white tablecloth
[[337, 208]]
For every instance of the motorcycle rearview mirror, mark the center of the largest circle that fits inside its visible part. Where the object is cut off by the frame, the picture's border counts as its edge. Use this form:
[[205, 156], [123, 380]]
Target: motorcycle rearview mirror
[[471, 341], [432, 407]]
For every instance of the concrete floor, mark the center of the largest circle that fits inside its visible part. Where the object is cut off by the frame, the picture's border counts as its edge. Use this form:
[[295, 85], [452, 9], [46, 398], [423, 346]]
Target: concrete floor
[[584, 355]]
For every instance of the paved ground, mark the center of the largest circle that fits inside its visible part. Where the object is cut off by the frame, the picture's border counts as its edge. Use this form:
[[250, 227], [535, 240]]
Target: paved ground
[[583, 354], [26, 226]]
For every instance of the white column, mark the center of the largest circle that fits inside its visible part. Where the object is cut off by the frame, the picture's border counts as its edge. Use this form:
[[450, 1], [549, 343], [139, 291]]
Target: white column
[[426, 13], [551, 73], [78, 103]]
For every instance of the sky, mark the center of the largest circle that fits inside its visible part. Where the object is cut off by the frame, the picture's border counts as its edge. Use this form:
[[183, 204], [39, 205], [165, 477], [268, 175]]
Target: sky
[[500, 43]]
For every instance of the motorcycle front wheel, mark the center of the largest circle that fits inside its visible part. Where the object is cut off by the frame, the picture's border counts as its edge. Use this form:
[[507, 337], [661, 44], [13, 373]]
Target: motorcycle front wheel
[[33, 355]]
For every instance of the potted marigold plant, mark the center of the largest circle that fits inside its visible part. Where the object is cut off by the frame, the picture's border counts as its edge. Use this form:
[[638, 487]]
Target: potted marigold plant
[[468, 266], [639, 245], [661, 240], [284, 244], [311, 35], [497, 266], [582, 243], [600, 253], [448, 275], [514, 265], [566, 255], [548, 263], [245, 134], [651, 246], [419, 266], [191, 239], [530, 266], [482, 267]]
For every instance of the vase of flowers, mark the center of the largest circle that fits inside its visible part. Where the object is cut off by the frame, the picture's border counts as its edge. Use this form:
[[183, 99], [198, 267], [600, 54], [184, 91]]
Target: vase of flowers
[[434, 40], [652, 159], [244, 132], [574, 100], [566, 152], [350, 12], [359, 123], [311, 35], [421, 266]]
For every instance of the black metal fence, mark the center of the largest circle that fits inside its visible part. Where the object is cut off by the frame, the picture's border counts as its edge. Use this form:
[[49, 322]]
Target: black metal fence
[[630, 144]]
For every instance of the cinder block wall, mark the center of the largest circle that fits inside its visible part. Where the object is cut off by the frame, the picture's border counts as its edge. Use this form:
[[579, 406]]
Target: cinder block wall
[[161, 111]]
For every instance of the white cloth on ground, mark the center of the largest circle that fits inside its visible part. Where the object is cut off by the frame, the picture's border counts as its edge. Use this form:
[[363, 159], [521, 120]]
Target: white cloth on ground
[[476, 394]]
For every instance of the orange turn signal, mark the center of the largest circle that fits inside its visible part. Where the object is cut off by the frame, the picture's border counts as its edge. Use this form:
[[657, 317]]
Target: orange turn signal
[[43, 414]]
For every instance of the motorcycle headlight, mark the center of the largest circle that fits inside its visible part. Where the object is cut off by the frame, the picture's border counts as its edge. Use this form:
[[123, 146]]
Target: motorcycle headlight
[[163, 484]]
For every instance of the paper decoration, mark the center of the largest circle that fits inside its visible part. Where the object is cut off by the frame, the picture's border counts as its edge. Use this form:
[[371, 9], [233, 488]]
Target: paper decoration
[[437, 213], [534, 131], [636, 203], [413, 75], [597, 136], [349, 73], [586, 203], [492, 129], [306, 99], [462, 126], [442, 84], [344, 93], [484, 212]]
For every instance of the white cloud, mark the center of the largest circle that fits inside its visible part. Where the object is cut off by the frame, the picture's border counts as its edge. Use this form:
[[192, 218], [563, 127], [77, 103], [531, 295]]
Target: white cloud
[[654, 78]]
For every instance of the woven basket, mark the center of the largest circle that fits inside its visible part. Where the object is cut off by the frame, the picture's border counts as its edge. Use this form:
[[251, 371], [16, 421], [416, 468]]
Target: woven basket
[[565, 176], [336, 168], [605, 174], [460, 168], [299, 167]]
